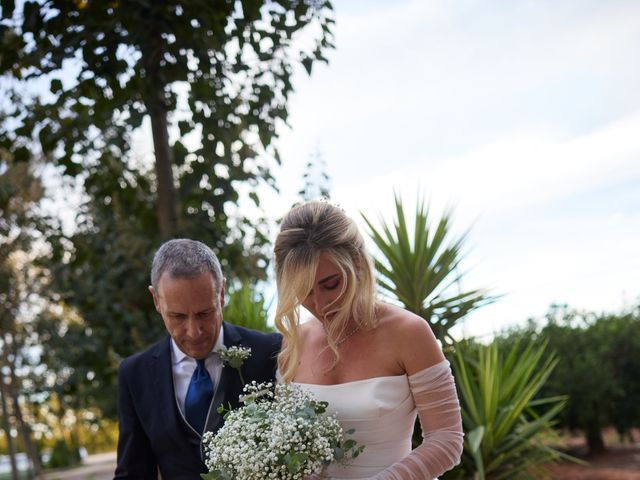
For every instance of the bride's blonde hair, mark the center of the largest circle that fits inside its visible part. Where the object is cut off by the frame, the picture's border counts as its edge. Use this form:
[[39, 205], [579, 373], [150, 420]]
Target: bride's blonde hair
[[306, 232]]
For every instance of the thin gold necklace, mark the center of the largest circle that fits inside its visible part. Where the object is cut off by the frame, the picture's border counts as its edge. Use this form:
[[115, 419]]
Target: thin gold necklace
[[346, 337]]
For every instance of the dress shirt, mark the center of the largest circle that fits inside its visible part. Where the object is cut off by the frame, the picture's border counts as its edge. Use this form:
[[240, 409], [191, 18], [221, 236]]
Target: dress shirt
[[184, 366]]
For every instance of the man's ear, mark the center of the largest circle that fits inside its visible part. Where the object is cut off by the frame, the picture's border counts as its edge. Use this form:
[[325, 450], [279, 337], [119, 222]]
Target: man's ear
[[224, 284], [156, 301]]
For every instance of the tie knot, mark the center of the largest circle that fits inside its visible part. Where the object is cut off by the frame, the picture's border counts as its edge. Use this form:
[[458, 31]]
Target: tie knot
[[200, 362]]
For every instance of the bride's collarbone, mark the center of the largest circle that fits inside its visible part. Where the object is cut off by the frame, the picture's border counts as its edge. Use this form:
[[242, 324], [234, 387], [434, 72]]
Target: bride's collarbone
[[361, 357], [324, 371], [328, 377]]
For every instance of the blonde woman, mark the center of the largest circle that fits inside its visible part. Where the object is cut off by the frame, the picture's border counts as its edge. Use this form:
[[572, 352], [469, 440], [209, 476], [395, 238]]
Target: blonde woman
[[376, 364]]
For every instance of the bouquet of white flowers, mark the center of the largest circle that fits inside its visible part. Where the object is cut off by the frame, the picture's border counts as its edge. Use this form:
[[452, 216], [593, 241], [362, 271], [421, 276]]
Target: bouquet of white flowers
[[281, 434]]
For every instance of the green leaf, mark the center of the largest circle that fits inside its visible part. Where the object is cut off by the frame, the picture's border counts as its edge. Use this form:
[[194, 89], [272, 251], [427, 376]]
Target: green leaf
[[55, 86], [418, 266], [497, 395], [349, 444], [31, 16], [475, 437], [307, 62], [338, 454], [7, 7], [294, 461]]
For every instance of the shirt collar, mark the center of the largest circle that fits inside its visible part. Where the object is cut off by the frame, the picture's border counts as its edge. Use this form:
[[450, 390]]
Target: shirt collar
[[178, 355]]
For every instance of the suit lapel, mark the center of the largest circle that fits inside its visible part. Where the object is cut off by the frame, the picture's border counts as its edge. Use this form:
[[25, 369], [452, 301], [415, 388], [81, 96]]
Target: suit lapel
[[229, 387], [162, 374]]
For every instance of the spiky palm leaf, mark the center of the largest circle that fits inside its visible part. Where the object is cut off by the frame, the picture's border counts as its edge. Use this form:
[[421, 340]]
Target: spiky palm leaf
[[421, 270], [501, 416], [247, 307]]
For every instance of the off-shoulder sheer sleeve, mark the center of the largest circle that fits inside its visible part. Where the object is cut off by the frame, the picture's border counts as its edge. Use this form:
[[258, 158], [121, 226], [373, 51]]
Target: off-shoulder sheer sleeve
[[434, 393]]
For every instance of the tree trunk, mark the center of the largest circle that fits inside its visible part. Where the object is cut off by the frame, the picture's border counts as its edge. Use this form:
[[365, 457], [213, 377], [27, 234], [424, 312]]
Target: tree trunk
[[595, 442], [7, 430], [164, 171], [25, 429], [157, 108]]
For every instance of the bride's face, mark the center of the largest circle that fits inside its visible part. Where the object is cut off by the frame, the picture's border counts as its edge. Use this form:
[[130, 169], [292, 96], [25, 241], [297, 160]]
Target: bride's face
[[328, 286]]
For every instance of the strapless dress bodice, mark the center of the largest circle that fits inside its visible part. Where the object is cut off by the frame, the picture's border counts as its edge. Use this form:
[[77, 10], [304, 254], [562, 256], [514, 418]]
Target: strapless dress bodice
[[382, 412]]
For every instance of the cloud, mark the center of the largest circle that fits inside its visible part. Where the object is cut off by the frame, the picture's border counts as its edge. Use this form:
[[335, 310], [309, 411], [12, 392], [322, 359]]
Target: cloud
[[533, 167], [523, 115]]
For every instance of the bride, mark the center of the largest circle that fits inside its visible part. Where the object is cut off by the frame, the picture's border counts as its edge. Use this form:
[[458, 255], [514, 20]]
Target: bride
[[376, 364]]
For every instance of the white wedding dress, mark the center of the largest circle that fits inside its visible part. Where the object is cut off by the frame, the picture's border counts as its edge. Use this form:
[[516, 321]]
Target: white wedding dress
[[382, 410]]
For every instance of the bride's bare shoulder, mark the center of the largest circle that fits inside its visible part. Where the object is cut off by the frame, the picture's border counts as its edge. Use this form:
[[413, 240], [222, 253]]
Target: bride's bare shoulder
[[397, 320], [310, 329], [410, 336]]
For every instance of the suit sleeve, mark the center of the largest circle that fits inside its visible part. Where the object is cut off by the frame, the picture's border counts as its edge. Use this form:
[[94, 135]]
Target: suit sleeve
[[135, 456]]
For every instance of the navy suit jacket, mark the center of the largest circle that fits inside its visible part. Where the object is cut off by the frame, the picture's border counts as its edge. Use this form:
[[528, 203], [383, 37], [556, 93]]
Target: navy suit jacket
[[153, 433]]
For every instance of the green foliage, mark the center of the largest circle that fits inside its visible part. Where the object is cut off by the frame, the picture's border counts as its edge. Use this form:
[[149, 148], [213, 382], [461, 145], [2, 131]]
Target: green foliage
[[247, 307], [63, 455], [316, 179], [502, 413], [218, 71], [289, 437], [111, 65], [599, 357], [99, 276], [20, 192], [622, 334], [213, 78], [421, 271]]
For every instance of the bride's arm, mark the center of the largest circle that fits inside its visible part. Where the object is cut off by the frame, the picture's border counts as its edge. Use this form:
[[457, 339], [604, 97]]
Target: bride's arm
[[434, 392]]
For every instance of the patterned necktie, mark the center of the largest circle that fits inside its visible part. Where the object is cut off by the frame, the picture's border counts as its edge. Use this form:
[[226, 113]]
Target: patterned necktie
[[198, 399]]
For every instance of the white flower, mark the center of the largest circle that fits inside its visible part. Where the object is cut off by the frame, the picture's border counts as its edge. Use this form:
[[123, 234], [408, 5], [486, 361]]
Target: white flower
[[283, 434], [234, 357]]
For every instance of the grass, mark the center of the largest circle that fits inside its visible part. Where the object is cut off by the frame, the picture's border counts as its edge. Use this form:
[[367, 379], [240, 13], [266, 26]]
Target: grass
[[23, 474]]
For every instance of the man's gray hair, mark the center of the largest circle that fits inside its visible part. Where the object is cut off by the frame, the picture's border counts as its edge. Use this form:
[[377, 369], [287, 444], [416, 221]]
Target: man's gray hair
[[185, 258]]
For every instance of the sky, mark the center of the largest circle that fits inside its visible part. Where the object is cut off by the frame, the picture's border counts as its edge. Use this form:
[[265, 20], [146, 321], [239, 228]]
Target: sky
[[523, 116]]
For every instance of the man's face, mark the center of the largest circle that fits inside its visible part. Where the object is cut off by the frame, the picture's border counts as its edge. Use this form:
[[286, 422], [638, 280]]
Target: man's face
[[192, 311]]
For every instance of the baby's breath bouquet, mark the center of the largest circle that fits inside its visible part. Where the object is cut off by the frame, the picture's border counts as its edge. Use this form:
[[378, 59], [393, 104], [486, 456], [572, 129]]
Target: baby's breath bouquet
[[280, 433]]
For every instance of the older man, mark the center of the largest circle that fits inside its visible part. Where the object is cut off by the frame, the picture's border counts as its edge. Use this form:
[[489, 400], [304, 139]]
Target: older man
[[168, 395]]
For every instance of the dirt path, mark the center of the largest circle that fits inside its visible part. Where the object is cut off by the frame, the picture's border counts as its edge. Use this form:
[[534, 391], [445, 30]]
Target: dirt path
[[95, 467], [617, 463]]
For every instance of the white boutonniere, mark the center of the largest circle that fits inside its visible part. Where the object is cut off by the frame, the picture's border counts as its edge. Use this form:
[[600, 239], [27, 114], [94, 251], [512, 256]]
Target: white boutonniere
[[234, 357]]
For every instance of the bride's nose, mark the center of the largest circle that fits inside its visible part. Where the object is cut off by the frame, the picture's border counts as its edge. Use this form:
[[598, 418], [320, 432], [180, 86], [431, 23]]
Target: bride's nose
[[314, 302]]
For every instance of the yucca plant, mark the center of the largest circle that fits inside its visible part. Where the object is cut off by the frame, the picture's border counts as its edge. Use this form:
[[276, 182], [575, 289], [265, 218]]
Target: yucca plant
[[502, 418], [245, 306], [421, 271]]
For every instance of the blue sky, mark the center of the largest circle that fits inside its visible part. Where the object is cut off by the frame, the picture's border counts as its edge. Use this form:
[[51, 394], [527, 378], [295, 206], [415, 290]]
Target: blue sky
[[523, 115]]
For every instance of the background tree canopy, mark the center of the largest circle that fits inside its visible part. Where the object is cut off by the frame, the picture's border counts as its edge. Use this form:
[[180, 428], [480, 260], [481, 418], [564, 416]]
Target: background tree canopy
[[597, 368], [79, 78], [219, 70]]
